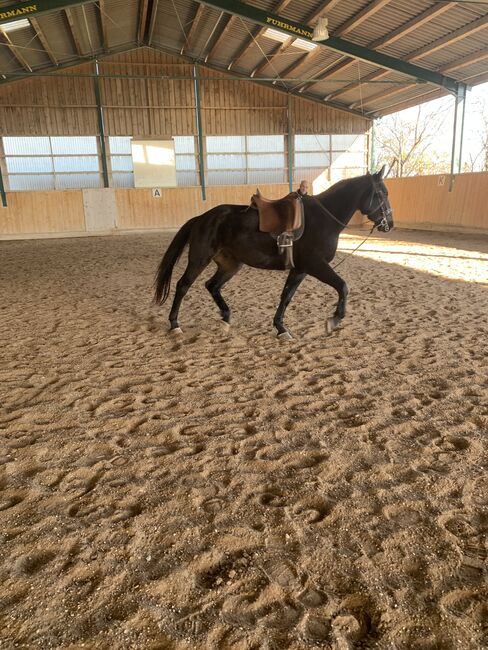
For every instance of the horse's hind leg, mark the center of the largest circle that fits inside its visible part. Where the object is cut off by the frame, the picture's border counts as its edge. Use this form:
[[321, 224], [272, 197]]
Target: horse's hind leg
[[191, 273], [227, 267]]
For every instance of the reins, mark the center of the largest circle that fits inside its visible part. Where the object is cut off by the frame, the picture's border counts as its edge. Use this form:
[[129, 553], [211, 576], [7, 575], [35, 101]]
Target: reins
[[344, 226]]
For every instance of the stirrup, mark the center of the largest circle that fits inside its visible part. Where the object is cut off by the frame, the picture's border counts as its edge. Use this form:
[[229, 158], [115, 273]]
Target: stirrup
[[285, 245]]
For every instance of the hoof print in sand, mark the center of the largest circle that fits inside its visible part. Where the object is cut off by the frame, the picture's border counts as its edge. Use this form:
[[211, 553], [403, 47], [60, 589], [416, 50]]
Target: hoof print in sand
[[281, 571]]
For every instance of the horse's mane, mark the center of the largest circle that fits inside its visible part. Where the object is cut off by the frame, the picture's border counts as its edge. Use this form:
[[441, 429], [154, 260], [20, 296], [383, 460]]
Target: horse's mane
[[331, 191]]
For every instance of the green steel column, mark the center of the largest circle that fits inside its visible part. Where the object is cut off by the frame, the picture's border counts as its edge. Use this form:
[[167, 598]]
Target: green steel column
[[372, 153], [3, 194], [198, 114], [290, 144], [461, 137], [457, 135], [101, 126]]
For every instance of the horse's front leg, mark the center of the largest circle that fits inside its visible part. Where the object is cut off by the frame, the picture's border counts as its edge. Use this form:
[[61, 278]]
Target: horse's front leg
[[292, 283], [325, 273]]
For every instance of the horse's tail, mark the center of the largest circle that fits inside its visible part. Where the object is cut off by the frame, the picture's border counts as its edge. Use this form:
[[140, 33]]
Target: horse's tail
[[162, 281]]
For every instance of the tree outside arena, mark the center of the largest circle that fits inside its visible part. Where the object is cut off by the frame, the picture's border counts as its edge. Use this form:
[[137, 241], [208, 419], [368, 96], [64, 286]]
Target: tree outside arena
[[417, 141]]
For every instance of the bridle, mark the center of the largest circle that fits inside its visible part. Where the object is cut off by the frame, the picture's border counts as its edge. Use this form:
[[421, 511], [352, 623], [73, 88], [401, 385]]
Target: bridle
[[385, 212]]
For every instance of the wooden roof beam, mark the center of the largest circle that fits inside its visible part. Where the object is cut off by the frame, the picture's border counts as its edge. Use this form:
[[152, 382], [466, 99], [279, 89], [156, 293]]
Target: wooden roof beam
[[327, 6], [334, 43], [194, 26], [14, 50], [74, 36], [268, 60], [469, 59], [449, 67], [102, 13], [211, 35], [255, 34], [449, 39], [43, 40], [141, 21], [152, 21], [220, 37], [469, 29], [392, 37]]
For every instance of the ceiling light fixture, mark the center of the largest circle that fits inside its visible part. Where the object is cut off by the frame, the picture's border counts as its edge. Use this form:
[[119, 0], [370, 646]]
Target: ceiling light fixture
[[320, 31]]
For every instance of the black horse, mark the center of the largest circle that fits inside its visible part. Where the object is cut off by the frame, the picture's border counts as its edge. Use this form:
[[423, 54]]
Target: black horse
[[229, 235]]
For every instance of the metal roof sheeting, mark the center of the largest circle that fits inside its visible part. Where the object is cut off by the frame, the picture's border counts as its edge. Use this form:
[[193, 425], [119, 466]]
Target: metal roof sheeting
[[174, 20]]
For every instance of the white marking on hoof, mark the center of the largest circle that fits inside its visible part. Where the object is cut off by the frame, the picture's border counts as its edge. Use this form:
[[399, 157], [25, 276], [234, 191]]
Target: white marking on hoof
[[225, 324], [176, 330], [330, 325], [285, 336]]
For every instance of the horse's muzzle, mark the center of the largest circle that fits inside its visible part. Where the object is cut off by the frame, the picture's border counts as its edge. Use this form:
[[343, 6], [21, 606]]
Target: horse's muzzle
[[384, 226]]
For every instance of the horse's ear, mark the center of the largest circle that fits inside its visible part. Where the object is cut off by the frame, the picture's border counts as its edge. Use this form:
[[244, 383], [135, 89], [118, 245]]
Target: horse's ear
[[381, 173]]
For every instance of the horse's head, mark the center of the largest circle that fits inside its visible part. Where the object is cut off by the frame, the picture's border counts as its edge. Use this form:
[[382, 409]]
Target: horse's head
[[376, 205]]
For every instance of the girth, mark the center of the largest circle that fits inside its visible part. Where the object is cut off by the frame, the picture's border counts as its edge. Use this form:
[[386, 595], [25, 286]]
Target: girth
[[283, 219]]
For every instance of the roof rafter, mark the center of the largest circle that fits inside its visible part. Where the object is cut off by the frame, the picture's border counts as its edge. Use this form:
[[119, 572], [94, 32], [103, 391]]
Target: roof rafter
[[152, 21], [194, 26], [103, 23], [211, 35], [222, 35], [280, 49], [254, 35], [460, 33], [72, 29], [334, 43], [43, 40], [14, 50], [141, 20], [392, 37], [312, 17]]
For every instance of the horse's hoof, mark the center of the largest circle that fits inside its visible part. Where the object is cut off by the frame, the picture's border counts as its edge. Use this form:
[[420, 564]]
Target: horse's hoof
[[225, 325], [176, 330], [330, 325], [285, 336]]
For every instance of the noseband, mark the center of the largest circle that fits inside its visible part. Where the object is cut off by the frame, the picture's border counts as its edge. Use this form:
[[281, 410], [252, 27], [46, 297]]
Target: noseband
[[385, 212]]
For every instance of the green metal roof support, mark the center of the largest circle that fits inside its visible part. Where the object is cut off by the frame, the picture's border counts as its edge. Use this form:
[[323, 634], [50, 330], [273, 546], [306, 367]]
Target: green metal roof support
[[457, 134], [21, 10], [198, 116], [3, 193], [305, 32], [290, 143], [101, 127]]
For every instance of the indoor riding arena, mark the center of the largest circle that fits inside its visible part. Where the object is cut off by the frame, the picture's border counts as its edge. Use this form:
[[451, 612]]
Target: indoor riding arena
[[215, 486]]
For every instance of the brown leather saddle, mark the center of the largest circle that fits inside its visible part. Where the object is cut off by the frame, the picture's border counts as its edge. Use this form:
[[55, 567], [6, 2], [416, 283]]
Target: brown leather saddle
[[283, 219]]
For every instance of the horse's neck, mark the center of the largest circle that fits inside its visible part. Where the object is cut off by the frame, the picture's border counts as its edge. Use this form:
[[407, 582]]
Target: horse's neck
[[343, 202]]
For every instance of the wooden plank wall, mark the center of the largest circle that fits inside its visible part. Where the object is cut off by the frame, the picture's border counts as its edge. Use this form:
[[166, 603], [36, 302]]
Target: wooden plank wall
[[138, 210], [158, 107], [421, 202], [62, 212], [425, 202], [43, 213], [50, 106]]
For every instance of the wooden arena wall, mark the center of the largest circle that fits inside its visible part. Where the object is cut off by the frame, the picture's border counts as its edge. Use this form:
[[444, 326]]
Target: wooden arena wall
[[72, 212], [424, 202]]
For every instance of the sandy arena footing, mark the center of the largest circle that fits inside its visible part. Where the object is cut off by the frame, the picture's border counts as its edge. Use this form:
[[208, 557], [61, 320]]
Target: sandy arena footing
[[222, 489]]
